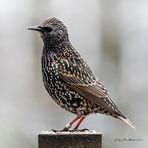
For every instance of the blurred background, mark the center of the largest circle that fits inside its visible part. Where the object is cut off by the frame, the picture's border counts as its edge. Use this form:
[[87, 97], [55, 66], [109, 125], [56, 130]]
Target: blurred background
[[111, 36]]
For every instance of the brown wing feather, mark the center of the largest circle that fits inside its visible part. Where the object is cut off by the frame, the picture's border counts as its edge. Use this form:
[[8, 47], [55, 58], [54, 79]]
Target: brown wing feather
[[81, 79]]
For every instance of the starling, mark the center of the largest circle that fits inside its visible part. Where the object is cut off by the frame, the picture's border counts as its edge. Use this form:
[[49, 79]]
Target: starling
[[68, 79]]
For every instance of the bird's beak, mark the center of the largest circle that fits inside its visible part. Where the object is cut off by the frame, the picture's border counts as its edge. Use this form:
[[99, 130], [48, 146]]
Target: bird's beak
[[35, 28]]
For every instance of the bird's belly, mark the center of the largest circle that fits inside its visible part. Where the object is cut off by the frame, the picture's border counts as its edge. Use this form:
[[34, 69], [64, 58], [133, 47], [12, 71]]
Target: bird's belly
[[67, 98], [63, 96]]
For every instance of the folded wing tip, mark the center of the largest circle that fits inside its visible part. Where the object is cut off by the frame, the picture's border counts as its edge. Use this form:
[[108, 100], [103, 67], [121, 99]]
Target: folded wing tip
[[127, 121]]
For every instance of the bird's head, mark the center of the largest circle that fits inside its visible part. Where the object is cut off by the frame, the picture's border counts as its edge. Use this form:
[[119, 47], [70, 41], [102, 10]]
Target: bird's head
[[52, 31]]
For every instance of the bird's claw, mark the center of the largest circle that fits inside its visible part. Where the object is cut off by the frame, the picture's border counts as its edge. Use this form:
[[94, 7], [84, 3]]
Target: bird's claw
[[54, 130], [73, 130], [80, 130], [83, 130]]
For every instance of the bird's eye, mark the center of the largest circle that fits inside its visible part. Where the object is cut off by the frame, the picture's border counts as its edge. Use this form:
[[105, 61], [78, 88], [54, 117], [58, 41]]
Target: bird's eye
[[47, 29]]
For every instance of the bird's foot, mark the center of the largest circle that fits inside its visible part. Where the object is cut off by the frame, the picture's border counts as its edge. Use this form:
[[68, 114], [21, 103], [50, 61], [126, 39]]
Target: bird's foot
[[84, 130], [80, 130], [63, 130], [68, 130], [54, 130]]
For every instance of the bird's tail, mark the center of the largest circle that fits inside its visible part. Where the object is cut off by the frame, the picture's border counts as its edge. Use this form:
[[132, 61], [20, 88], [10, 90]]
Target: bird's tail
[[127, 121]]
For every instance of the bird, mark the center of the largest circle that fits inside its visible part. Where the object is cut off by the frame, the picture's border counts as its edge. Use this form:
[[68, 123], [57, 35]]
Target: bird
[[68, 79]]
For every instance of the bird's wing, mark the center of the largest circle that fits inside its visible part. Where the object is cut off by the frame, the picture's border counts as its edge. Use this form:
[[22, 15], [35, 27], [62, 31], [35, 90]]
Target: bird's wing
[[77, 75]]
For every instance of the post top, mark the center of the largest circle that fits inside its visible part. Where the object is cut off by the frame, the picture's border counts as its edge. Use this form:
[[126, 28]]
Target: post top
[[71, 132]]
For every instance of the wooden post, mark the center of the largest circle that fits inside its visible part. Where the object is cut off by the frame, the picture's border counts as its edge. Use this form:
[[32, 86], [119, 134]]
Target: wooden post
[[69, 139]]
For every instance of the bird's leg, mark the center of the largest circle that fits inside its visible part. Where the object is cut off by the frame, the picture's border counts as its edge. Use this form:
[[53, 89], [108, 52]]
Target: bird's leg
[[80, 121], [69, 125]]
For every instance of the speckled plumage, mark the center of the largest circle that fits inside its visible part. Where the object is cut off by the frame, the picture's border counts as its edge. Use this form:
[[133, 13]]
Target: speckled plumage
[[67, 77]]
